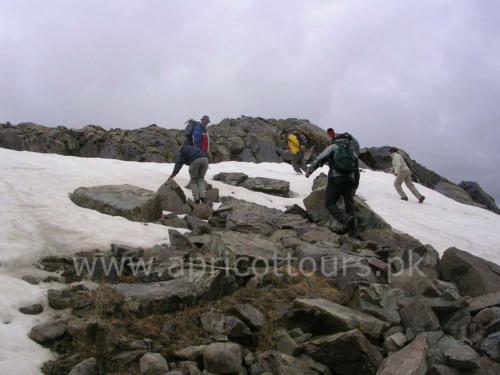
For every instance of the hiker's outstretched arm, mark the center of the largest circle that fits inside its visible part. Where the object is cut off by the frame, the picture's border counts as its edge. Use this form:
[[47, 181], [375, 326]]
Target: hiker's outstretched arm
[[320, 160]]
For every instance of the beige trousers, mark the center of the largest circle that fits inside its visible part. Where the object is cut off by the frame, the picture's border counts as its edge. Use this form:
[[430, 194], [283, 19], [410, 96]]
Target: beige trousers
[[197, 171], [405, 176]]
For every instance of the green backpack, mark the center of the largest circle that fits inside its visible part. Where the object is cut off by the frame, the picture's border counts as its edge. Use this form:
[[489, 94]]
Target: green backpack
[[344, 158]]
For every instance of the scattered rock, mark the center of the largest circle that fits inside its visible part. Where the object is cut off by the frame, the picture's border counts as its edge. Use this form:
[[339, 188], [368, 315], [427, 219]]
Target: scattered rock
[[270, 186], [33, 280], [411, 360], [202, 211], [249, 315], [395, 342], [491, 346], [458, 354], [153, 364], [231, 178], [284, 343], [86, 367], [31, 309], [223, 358], [419, 317], [319, 315], [47, 332], [167, 296], [129, 201], [484, 301], [345, 353]]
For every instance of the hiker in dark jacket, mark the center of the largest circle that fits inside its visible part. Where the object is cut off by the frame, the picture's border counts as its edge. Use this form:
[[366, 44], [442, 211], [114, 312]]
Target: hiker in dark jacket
[[343, 179], [198, 165]]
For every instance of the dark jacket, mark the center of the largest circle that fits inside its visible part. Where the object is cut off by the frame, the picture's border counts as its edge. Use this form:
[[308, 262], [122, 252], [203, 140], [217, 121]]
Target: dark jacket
[[186, 155]]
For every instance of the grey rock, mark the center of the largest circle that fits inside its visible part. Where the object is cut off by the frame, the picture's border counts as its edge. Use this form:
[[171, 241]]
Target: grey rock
[[168, 296], [378, 300], [456, 325], [479, 195], [197, 225], [239, 215], [129, 201], [47, 332], [32, 309], [458, 354], [345, 353], [86, 367], [231, 178], [472, 275], [192, 353], [395, 342], [419, 317], [484, 301], [251, 316], [244, 251], [172, 198], [230, 326], [411, 360], [491, 346], [284, 343], [274, 362], [267, 185], [153, 364], [223, 358], [33, 280], [202, 211], [319, 315]]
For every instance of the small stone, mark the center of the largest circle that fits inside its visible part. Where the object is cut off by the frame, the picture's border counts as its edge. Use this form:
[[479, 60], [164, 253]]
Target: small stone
[[395, 342], [47, 332], [31, 309], [33, 280]]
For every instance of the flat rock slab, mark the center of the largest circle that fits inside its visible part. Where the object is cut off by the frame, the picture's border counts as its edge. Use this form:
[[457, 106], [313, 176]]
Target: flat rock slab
[[266, 185], [345, 353], [333, 317], [168, 296], [130, 202], [484, 301]]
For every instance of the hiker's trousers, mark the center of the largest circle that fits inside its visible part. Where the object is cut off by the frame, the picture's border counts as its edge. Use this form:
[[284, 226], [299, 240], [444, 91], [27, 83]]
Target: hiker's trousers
[[298, 162], [197, 171], [335, 189], [405, 176]]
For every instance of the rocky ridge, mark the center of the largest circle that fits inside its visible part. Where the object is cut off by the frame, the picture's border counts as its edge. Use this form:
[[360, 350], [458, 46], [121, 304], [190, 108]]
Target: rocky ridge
[[244, 139], [328, 304]]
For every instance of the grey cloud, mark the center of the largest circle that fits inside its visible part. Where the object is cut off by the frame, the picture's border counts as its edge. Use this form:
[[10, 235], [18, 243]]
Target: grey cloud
[[421, 75]]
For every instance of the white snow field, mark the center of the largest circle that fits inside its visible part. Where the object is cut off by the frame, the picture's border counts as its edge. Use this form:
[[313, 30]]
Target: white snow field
[[37, 218]]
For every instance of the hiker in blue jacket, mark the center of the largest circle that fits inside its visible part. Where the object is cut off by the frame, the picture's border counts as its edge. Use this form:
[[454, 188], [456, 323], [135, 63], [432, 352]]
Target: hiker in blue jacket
[[343, 180], [197, 160]]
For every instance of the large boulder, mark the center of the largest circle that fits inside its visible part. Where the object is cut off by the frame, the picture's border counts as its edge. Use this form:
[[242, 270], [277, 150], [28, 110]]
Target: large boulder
[[231, 178], [473, 276], [168, 296], [345, 353], [128, 201], [172, 198], [479, 195], [367, 218], [319, 315]]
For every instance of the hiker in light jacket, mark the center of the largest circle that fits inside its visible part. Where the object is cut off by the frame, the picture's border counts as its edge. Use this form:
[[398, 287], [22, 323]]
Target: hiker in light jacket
[[197, 160], [403, 174], [343, 180], [296, 147]]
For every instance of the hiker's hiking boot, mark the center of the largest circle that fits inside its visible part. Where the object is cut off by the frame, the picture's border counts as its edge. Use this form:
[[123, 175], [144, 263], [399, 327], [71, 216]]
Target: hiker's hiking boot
[[421, 200]]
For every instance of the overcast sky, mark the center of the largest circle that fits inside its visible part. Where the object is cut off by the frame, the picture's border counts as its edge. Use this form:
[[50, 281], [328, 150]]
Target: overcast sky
[[422, 75]]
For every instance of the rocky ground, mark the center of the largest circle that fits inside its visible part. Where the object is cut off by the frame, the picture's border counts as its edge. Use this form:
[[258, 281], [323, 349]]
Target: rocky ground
[[243, 139], [380, 304]]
